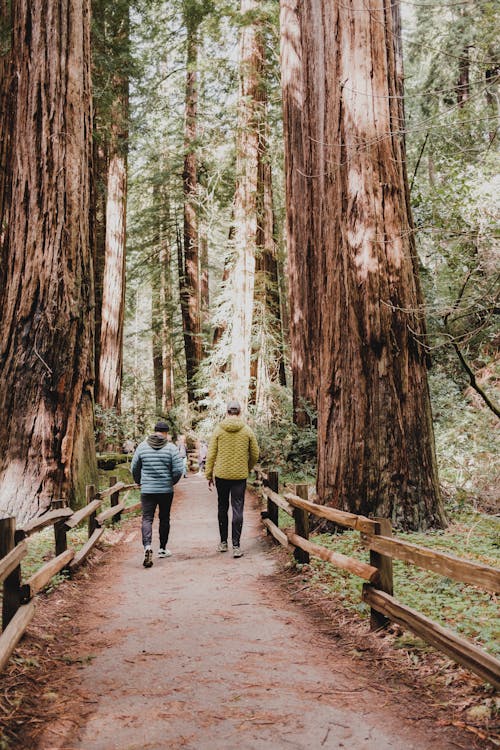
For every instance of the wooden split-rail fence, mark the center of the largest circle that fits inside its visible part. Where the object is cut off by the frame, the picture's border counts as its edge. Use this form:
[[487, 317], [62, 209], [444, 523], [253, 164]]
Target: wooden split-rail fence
[[18, 605], [377, 591]]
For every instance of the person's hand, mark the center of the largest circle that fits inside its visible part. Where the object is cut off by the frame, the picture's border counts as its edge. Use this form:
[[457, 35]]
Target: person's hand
[[210, 484]]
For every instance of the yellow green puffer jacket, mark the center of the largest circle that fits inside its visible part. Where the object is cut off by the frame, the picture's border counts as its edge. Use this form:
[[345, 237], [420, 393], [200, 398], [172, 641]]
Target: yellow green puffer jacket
[[232, 451]]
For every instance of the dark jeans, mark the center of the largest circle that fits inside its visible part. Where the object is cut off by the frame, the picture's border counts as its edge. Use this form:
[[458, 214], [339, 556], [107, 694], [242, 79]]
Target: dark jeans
[[236, 489], [149, 502]]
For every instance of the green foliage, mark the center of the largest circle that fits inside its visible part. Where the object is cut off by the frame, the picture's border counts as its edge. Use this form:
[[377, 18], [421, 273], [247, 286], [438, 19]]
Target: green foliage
[[466, 445], [112, 428], [465, 609], [283, 444], [452, 66]]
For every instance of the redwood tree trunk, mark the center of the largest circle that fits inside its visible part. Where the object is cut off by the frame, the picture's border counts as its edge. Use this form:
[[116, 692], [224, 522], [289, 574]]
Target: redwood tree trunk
[[113, 285], [46, 334], [245, 205], [302, 129], [162, 312], [190, 283], [375, 435], [113, 280], [267, 363], [7, 89], [204, 280]]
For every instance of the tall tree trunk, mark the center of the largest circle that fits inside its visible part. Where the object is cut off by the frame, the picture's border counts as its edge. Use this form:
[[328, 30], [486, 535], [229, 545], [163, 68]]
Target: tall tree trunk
[[267, 363], [100, 146], [204, 280], [7, 90], [221, 328], [492, 98], [46, 333], [375, 436], [302, 128], [162, 313], [463, 82], [190, 288], [113, 285], [98, 241], [167, 354], [245, 207]]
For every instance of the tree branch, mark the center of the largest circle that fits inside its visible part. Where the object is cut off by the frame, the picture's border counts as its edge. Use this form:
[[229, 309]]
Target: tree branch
[[472, 377]]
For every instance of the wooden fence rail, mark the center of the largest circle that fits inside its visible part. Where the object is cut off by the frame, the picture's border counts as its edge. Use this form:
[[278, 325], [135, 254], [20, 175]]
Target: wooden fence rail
[[376, 536], [18, 606]]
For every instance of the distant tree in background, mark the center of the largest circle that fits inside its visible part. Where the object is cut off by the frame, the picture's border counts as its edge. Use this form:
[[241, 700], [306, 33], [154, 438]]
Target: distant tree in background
[[189, 268], [267, 364], [46, 329], [109, 371], [302, 129], [250, 109]]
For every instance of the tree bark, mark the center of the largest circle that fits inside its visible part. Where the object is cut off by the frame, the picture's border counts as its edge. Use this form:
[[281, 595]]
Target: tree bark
[[162, 312], [113, 287], [190, 286], [245, 205], [375, 435], [267, 363], [204, 280], [463, 82], [7, 91], [221, 328], [46, 334], [113, 283], [302, 130]]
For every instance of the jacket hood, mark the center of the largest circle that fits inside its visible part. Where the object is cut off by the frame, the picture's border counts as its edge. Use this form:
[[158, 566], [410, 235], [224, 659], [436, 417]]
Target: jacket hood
[[232, 424], [156, 442]]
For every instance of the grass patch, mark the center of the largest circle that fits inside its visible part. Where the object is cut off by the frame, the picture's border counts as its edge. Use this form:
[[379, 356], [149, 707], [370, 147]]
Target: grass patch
[[41, 546], [467, 610]]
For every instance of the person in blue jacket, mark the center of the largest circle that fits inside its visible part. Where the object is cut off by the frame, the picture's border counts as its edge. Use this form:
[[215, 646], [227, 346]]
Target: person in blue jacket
[[156, 466]]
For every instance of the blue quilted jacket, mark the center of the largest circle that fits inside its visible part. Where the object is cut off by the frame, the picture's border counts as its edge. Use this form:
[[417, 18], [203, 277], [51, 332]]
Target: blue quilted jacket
[[156, 465]]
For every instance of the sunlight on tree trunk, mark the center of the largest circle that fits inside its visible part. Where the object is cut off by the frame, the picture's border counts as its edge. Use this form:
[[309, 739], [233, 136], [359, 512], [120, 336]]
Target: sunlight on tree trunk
[[375, 436], [245, 207], [113, 297], [109, 372]]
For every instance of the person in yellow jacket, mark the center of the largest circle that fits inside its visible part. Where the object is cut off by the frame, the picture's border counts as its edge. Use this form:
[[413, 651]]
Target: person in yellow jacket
[[232, 453]]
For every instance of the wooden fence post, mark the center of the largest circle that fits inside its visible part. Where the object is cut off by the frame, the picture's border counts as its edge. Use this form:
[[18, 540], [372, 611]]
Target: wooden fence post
[[383, 526], [272, 508], [115, 499], [301, 519], [89, 496], [60, 529], [12, 584]]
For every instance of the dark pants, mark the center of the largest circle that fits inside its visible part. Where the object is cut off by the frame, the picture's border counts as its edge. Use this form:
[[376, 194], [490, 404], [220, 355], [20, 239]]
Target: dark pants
[[149, 502], [236, 489]]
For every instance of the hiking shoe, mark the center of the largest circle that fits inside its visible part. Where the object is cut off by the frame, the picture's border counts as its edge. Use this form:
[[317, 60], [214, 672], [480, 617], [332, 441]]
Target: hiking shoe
[[148, 558], [222, 547], [237, 552], [164, 552]]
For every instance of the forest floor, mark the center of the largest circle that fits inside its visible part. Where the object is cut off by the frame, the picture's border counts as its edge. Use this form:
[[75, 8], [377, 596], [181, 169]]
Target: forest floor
[[207, 652]]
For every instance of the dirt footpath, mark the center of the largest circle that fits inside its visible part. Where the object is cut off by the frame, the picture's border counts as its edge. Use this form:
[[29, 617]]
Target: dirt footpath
[[205, 652]]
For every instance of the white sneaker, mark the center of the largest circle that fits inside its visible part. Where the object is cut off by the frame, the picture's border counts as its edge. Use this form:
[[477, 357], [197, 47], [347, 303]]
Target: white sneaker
[[222, 547], [237, 552], [164, 552]]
